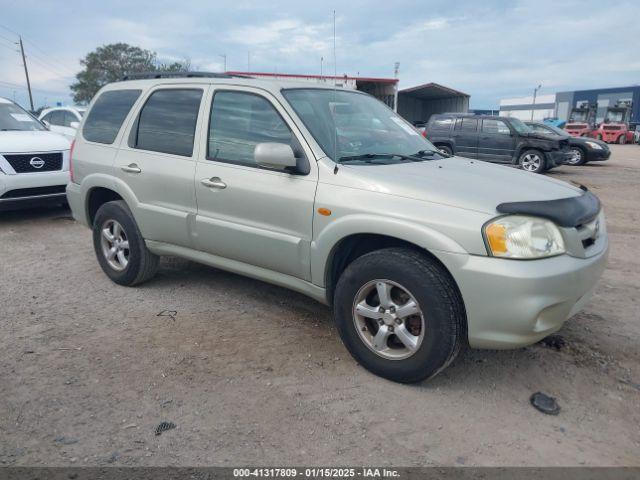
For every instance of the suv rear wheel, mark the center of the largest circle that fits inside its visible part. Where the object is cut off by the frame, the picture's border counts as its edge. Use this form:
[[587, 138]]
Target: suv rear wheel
[[445, 149], [532, 161], [119, 246], [399, 314]]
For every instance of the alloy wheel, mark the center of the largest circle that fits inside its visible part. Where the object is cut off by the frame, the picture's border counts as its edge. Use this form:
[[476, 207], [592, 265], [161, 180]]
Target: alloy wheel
[[388, 319], [115, 245], [576, 156], [531, 162]]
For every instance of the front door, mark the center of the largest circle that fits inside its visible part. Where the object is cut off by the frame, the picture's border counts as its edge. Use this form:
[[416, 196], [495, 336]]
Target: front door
[[496, 142], [465, 137], [259, 216]]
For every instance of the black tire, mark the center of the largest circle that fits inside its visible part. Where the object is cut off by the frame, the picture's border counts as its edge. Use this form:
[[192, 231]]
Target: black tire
[[142, 264], [435, 292], [445, 149], [541, 166], [581, 156]]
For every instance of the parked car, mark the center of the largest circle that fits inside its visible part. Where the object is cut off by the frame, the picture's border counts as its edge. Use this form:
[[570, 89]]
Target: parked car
[[496, 139], [636, 135], [583, 150], [34, 163], [330, 193], [63, 120]]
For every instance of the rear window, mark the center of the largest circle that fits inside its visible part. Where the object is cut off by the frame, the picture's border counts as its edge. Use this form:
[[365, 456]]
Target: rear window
[[108, 113], [167, 122]]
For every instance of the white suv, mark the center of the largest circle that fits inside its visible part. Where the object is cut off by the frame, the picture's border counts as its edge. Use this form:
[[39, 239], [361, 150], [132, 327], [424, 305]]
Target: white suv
[[34, 163], [330, 193], [63, 120]]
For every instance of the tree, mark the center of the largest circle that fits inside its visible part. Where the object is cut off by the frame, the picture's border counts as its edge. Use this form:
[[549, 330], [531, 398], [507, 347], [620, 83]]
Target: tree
[[110, 63]]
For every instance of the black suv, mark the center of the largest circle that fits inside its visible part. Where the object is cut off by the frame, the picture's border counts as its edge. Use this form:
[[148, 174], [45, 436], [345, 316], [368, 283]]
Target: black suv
[[497, 139]]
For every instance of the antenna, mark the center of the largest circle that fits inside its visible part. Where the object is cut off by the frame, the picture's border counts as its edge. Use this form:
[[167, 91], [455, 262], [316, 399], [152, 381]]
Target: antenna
[[335, 76]]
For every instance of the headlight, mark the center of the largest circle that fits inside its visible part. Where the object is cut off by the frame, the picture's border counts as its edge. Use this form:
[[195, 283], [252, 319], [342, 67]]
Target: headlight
[[594, 145], [522, 237]]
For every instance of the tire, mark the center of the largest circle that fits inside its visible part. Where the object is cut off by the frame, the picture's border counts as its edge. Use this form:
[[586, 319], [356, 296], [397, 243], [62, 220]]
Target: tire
[[598, 137], [580, 157], [532, 161], [140, 265], [622, 139], [441, 318], [445, 149]]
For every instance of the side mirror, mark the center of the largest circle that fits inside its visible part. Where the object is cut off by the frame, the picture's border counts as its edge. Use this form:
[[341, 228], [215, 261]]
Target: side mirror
[[275, 155], [74, 125]]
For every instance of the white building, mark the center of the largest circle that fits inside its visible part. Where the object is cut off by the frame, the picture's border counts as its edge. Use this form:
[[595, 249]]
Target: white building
[[525, 109]]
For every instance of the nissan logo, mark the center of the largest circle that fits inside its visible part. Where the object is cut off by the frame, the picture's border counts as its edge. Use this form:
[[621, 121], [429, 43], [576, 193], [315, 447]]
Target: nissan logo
[[36, 162]]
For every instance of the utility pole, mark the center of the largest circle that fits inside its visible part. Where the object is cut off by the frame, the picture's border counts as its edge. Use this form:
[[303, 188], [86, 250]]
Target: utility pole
[[396, 68], [535, 92], [26, 73]]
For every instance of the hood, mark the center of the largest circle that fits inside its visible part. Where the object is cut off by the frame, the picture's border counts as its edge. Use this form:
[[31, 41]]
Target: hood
[[543, 136], [464, 183], [583, 140], [32, 142]]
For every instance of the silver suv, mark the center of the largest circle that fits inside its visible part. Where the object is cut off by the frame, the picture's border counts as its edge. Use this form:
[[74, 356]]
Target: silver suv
[[328, 192]]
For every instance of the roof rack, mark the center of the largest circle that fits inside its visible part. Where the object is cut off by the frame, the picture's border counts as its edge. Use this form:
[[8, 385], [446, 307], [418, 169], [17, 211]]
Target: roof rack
[[156, 75]]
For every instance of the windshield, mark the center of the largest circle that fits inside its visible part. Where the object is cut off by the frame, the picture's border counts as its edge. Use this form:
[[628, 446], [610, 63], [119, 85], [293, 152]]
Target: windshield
[[614, 117], [357, 127], [12, 117], [519, 126]]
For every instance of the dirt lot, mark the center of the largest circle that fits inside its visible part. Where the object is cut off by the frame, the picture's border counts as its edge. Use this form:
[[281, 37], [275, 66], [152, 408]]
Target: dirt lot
[[254, 374]]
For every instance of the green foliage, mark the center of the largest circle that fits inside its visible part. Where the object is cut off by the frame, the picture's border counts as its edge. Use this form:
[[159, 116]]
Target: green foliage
[[110, 63]]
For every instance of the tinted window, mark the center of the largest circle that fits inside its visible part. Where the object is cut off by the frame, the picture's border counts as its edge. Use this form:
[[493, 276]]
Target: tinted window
[[467, 124], [442, 124], [56, 118], [167, 122], [239, 121], [108, 113], [495, 126]]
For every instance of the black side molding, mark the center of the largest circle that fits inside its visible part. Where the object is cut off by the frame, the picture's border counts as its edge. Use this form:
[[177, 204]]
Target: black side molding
[[566, 212]]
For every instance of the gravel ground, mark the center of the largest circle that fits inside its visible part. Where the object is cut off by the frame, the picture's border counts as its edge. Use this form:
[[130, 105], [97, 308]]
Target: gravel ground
[[254, 374]]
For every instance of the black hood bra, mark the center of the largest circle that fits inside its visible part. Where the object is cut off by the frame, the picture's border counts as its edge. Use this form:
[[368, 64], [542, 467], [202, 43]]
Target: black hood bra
[[566, 212]]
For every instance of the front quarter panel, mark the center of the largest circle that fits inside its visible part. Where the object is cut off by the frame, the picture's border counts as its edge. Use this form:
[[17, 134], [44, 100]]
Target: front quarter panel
[[356, 209]]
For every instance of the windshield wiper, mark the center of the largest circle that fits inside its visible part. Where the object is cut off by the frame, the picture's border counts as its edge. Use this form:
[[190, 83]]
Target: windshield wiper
[[368, 157]]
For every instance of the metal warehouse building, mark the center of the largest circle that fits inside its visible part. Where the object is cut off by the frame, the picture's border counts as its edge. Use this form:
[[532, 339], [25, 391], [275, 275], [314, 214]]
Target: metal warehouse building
[[415, 104], [560, 104]]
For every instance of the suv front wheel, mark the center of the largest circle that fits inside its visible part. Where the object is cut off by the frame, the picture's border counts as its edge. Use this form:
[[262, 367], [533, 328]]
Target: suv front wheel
[[532, 161], [399, 314], [119, 246]]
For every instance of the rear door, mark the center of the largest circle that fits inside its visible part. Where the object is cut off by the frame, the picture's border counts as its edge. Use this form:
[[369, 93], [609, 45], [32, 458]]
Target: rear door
[[157, 161], [496, 141], [247, 213], [465, 136]]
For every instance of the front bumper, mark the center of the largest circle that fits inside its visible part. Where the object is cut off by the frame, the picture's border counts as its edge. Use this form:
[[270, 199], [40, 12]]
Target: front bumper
[[514, 303], [598, 155], [555, 158], [30, 189]]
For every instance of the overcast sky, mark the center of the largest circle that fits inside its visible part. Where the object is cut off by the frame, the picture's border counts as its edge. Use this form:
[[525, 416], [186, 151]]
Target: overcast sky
[[488, 49]]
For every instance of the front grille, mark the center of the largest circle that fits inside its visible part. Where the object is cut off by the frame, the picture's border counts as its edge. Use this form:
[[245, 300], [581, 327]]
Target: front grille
[[606, 127], [33, 192], [28, 163]]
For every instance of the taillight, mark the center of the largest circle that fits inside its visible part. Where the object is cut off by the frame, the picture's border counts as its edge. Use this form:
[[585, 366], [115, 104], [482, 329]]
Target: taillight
[[73, 144], [424, 133]]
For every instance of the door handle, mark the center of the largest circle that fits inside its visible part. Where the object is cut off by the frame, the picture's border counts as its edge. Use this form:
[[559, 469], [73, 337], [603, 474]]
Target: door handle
[[131, 168], [213, 182]]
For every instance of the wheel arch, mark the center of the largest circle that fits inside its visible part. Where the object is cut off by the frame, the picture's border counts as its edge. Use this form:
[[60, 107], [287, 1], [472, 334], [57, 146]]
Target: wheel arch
[[100, 189]]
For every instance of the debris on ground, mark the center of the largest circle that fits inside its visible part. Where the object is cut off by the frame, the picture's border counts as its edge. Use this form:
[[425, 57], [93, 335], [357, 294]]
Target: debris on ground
[[557, 342], [164, 426], [545, 403], [65, 440], [168, 313]]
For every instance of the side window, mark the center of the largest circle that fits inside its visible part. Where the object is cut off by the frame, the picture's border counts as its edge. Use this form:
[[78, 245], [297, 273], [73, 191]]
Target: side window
[[467, 124], [495, 126], [107, 114], [239, 121], [47, 117], [167, 122], [442, 124]]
